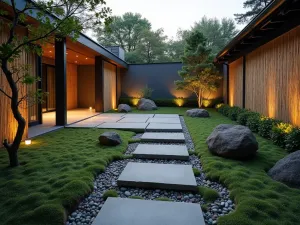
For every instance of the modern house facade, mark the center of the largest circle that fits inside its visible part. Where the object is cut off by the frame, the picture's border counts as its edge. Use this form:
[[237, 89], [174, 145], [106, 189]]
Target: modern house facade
[[262, 63]]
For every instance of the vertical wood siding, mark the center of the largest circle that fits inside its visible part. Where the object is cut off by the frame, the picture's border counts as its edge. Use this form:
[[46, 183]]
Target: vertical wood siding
[[8, 124], [273, 78], [71, 86], [86, 86], [109, 86], [236, 83]]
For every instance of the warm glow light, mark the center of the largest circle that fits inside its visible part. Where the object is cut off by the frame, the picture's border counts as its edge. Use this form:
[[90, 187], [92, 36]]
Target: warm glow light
[[207, 102], [66, 53], [77, 56], [27, 142], [135, 101], [75, 61], [179, 101], [50, 51], [219, 105], [86, 58], [91, 108]]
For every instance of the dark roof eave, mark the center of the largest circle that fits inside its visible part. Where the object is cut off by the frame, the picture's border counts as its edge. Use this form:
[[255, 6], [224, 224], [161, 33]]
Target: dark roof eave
[[253, 23]]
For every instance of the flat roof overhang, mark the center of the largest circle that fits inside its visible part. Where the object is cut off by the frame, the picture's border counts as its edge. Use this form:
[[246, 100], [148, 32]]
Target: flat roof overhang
[[277, 18], [83, 40]]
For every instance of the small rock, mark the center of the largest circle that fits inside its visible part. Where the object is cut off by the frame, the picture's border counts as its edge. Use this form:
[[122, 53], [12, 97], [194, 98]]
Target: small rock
[[127, 193]]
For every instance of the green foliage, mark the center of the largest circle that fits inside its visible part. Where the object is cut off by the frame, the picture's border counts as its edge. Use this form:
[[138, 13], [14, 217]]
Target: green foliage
[[204, 207], [253, 121], [145, 92], [196, 172], [292, 141], [198, 74], [58, 170], [243, 117], [163, 199], [136, 197], [224, 109], [110, 193], [234, 112], [256, 6], [265, 126], [191, 152], [208, 194]]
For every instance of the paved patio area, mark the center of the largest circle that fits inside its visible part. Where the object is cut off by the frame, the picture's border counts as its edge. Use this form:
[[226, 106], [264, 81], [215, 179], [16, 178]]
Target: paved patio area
[[132, 121]]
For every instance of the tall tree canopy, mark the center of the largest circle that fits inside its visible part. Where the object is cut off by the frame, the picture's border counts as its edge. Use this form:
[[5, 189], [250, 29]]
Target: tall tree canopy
[[255, 7], [125, 31], [71, 17], [199, 75], [217, 32]]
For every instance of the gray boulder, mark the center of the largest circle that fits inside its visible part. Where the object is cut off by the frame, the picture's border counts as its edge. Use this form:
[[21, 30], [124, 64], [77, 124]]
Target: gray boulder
[[124, 108], [197, 113], [232, 141], [110, 139], [146, 104], [287, 170]]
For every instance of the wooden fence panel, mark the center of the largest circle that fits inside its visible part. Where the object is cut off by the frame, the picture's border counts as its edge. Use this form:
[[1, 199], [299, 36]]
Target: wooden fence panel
[[236, 83]]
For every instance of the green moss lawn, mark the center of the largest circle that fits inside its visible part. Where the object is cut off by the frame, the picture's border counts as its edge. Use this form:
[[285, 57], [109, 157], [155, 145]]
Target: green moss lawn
[[259, 199], [57, 170]]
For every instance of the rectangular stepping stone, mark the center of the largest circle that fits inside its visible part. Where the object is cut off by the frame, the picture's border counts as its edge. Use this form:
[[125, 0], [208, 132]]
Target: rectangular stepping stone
[[164, 120], [138, 115], [161, 176], [124, 126], [166, 116], [133, 120], [166, 127], [84, 125], [163, 137], [112, 114], [125, 211], [148, 151]]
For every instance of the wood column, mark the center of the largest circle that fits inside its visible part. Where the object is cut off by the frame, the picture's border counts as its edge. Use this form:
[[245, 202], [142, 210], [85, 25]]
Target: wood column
[[244, 81], [60, 81], [98, 84], [227, 83]]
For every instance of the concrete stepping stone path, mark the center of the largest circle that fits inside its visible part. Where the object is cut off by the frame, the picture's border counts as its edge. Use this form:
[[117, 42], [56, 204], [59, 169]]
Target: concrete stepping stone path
[[124, 126], [166, 116], [163, 137], [161, 176], [152, 151], [165, 127], [120, 211], [164, 120]]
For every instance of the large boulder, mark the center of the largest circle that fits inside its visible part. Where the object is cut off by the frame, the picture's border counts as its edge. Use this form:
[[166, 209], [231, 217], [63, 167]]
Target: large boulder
[[287, 170], [110, 139], [232, 141], [124, 108], [146, 104], [197, 113]]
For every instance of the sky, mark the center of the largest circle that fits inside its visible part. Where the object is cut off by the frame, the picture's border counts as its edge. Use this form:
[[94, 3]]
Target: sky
[[174, 14]]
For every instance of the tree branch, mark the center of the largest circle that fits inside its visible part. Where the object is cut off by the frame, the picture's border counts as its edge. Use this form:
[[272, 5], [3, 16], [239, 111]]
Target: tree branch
[[5, 93]]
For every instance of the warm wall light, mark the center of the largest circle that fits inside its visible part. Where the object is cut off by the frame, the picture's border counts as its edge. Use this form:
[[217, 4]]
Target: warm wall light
[[27, 142], [179, 101], [135, 101], [91, 108], [207, 102]]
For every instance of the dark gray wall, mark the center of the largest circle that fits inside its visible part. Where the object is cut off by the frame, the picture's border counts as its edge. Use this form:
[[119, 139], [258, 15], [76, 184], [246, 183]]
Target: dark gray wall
[[158, 76]]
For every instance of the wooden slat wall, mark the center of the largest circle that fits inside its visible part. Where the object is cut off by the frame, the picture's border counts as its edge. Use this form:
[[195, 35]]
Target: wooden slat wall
[[273, 78], [8, 124], [236, 83], [32, 107], [72, 86], [109, 86], [86, 86]]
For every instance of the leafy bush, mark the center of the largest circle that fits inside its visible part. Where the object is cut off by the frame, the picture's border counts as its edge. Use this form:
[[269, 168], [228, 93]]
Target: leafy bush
[[110, 193], [204, 207], [234, 112], [292, 141], [243, 117], [224, 109], [208, 194], [265, 126], [145, 92], [253, 121], [196, 172]]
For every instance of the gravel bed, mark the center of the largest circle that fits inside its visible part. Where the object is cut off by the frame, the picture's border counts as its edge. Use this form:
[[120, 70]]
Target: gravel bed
[[91, 205]]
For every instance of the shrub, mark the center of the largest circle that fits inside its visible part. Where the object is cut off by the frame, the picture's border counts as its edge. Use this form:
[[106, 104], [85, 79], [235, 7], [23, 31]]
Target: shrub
[[163, 199], [253, 121], [224, 109], [145, 92], [196, 172], [204, 207], [136, 197], [292, 141], [208, 194], [265, 126], [110, 193], [242, 117], [234, 111]]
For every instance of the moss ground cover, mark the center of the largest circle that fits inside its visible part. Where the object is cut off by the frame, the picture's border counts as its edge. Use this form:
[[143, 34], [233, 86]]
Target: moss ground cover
[[57, 170], [259, 199]]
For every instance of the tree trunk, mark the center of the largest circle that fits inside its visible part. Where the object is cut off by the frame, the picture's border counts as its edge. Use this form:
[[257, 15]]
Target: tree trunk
[[14, 146], [199, 99]]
